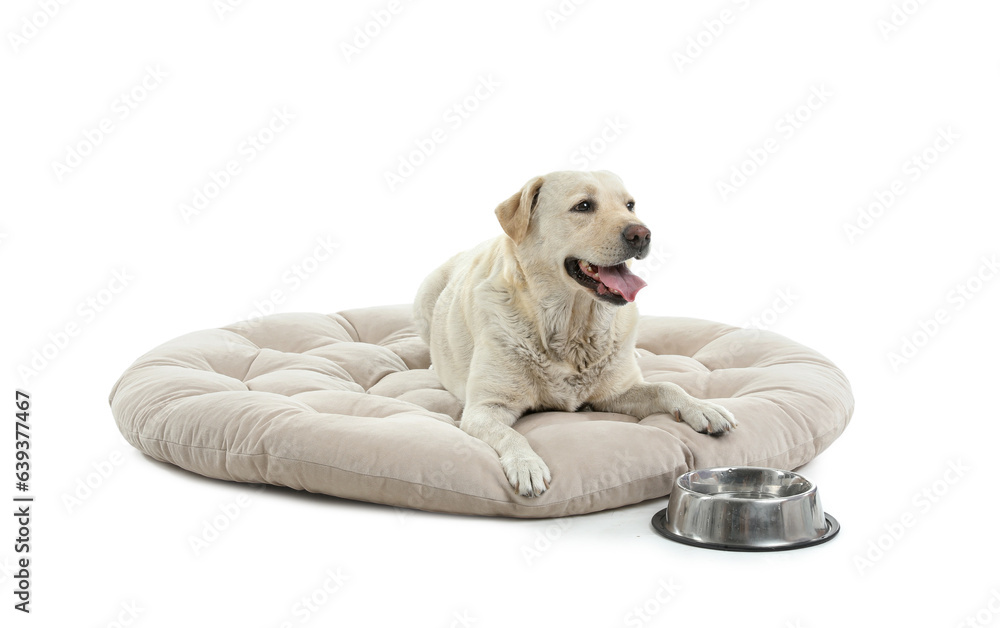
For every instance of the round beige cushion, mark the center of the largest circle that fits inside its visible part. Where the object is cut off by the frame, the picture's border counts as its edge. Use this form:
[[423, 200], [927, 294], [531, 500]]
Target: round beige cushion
[[345, 404]]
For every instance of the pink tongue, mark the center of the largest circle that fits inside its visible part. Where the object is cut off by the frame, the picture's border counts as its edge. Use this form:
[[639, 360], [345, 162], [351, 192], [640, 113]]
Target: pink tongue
[[621, 279]]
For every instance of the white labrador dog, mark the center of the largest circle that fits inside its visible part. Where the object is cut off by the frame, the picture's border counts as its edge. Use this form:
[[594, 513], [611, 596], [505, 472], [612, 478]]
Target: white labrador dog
[[542, 319]]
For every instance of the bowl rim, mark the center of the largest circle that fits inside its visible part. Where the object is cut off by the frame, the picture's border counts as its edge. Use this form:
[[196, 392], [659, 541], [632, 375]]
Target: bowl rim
[[683, 482]]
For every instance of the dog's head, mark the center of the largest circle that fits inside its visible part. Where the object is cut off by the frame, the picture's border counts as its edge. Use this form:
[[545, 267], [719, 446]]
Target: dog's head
[[581, 228]]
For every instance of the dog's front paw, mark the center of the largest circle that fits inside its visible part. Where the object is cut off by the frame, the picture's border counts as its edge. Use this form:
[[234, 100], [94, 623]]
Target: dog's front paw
[[707, 417], [527, 473]]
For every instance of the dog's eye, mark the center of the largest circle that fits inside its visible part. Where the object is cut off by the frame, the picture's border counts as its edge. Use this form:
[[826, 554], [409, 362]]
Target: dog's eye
[[583, 206], [630, 206]]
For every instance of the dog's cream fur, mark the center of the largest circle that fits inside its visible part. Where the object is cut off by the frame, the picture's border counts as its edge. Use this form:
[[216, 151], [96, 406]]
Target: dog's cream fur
[[511, 332]]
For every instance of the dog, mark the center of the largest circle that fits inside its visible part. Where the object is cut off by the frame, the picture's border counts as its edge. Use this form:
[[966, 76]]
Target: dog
[[543, 318]]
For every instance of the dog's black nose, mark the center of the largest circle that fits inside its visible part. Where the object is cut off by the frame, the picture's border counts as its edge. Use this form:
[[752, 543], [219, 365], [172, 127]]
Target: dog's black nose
[[637, 238]]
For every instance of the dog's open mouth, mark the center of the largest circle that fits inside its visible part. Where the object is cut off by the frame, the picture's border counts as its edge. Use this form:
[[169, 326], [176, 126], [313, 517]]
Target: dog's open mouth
[[614, 284]]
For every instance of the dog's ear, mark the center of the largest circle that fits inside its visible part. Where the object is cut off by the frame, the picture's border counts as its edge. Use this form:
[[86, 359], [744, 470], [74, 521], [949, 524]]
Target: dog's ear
[[514, 214]]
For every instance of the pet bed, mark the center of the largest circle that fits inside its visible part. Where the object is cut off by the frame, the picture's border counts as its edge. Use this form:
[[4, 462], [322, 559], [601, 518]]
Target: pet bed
[[345, 404]]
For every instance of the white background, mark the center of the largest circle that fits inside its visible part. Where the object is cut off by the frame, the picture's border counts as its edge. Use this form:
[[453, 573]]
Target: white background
[[610, 77]]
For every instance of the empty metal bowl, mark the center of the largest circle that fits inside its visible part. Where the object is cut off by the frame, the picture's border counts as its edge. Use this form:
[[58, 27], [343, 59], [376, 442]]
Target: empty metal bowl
[[745, 509]]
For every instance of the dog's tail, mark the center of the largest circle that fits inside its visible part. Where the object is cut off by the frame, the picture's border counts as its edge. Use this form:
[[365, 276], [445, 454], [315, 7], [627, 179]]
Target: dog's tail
[[427, 296]]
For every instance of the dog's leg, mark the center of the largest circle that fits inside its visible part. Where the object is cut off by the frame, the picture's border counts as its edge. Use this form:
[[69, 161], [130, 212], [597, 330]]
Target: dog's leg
[[645, 398], [491, 423]]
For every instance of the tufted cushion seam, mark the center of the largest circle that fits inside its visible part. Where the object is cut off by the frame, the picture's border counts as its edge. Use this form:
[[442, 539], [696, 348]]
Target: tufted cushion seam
[[350, 329], [243, 377]]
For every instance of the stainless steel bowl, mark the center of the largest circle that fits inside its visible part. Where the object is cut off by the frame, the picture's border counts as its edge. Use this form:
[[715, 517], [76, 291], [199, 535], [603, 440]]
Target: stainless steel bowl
[[745, 509]]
